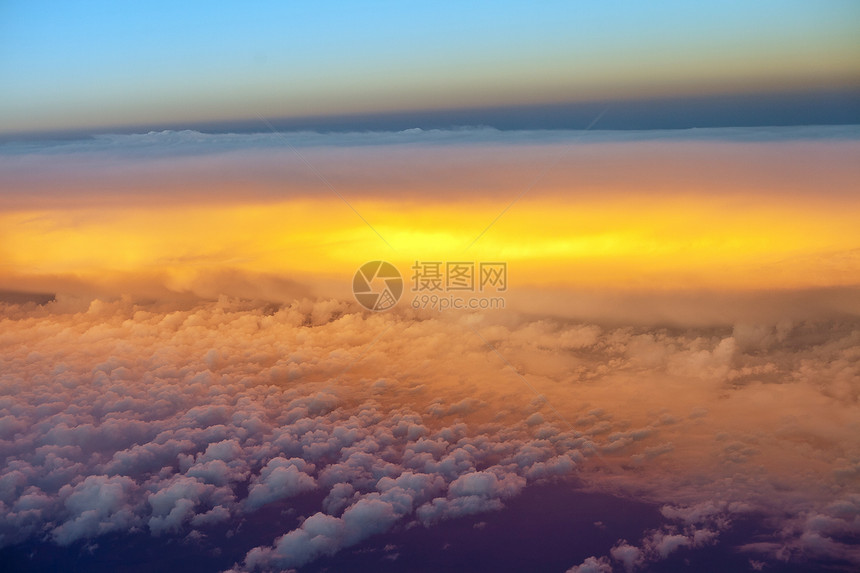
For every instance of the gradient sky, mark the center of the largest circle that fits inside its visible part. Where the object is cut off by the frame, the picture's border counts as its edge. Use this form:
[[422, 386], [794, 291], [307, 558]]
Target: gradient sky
[[98, 64], [187, 381]]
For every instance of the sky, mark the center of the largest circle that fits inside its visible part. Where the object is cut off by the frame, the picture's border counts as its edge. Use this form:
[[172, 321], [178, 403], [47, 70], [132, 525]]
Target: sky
[[741, 209], [96, 64], [618, 330]]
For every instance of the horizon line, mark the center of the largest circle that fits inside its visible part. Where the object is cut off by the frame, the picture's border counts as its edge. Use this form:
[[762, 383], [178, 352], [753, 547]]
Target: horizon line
[[780, 109]]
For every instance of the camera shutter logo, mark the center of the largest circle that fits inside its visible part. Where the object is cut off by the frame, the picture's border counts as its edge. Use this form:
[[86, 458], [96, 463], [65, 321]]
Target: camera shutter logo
[[377, 285]]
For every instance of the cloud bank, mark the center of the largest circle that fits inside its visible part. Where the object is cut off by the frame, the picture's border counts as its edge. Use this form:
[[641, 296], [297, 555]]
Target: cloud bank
[[133, 417]]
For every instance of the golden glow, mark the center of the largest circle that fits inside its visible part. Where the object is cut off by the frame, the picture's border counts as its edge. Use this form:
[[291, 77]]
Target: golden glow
[[669, 242]]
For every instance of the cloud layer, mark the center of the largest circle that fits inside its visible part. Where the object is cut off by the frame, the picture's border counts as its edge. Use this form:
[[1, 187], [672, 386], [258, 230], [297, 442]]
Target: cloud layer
[[134, 417]]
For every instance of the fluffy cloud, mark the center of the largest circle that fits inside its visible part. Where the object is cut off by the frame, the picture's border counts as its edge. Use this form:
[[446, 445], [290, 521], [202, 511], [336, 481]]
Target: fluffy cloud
[[166, 419], [692, 527], [97, 505], [592, 565], [280, 478], [629, 556], [321, 534], [174, 501]]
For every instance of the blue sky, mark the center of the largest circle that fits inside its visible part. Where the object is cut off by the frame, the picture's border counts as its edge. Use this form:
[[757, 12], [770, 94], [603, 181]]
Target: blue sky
[[91, 64]]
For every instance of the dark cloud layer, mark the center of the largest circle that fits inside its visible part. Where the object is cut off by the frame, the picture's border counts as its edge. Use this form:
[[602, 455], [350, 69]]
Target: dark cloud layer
[[169, 167]]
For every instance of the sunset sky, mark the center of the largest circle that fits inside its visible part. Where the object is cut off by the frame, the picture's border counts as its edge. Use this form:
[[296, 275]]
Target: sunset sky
[[667, 379], [88, 65]]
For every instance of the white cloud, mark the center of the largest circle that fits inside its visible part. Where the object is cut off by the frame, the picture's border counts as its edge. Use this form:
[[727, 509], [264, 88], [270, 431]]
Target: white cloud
[[628, 555], [96, 506], [592, 565], [281, 478]]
